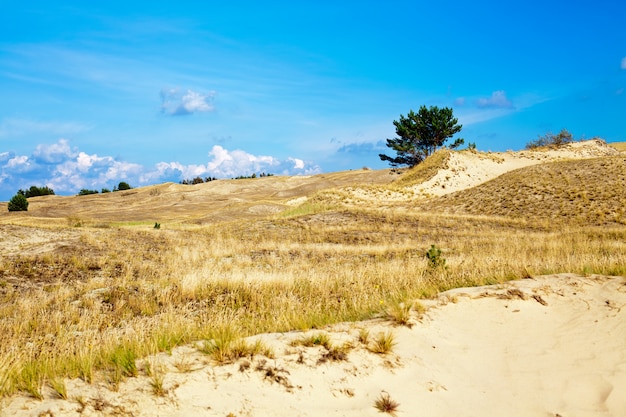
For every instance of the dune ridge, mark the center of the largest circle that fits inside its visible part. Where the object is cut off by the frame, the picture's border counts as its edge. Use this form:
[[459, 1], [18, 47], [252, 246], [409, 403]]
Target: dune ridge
[[547, 344]]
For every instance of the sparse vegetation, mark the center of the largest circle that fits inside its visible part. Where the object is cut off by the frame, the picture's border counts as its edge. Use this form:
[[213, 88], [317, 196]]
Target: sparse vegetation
[[435, 258], [400, 312], [318, 339], [383, 343], [85, 191], [566, 193], [551, 140], [385, 404], [84, 302], [226, 346], [157, 378]]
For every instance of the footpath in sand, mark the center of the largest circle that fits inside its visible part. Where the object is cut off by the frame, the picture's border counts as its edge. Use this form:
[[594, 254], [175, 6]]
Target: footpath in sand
[[545, 346]]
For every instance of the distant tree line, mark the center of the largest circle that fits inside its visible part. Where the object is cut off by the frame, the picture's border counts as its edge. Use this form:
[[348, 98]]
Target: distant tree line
[[19, 201], [120, 187], [35, 191], [200, 180]]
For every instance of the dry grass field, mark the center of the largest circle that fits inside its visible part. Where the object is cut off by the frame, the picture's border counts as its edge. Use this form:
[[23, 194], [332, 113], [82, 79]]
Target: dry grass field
[[88, 284]]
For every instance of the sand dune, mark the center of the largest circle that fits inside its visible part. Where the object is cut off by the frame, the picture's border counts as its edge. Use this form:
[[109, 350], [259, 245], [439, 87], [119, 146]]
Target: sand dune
[[546, 346]]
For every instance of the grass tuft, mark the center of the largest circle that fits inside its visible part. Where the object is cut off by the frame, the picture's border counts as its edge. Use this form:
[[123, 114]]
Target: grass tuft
[[383, 343], [400, 313], [384, 404]]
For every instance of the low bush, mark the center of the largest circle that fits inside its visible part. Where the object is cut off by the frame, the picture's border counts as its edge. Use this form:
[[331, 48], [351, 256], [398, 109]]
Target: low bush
[[550, 140], [18, 203]]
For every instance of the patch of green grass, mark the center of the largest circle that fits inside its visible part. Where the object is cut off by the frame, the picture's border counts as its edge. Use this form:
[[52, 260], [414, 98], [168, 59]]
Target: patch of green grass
[[317, 339], [59, 387], [226, 346], [32, 380], [305, 209]]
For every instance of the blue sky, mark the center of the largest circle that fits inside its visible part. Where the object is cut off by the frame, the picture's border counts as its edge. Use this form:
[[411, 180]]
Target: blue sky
[[148, 92]]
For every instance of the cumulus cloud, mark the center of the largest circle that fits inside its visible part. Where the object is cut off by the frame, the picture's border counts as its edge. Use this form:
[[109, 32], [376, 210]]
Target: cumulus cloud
[[63, 168], [297, 163], [224, 163], [67, 170], [175, 102], [54, 153], [497, 99], [623, 64]]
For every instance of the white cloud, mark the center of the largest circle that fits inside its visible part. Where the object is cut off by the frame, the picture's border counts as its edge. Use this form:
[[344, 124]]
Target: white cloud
[[297, 163], [175, 102], [67, 170], [224, 163], [53, 154], [497, 99], [20, 163], [623, 64]]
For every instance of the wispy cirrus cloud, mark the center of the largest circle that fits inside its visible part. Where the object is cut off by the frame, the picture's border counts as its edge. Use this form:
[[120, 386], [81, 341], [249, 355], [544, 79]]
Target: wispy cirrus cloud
[[497, 99], [176, 102], [623, 64]]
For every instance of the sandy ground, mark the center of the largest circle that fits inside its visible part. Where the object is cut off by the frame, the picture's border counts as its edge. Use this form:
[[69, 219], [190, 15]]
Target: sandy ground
[[547, 346], [469, 169]]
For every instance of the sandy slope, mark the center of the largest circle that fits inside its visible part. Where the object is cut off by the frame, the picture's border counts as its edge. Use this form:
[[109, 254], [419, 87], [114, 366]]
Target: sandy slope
[[548, 346], [467, 169]]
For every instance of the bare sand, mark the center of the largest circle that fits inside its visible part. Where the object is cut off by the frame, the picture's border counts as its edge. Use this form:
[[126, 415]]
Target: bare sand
[[545, 346]]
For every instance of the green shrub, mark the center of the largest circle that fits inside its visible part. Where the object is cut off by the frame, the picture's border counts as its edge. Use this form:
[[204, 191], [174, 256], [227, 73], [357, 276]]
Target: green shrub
[[85, 191], [18, 203], [122, 186], [435, 260]]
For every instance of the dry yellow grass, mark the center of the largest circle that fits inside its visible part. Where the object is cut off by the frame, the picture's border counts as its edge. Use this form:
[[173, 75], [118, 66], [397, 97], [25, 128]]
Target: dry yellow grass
[[620, 146], [84, 301], [590, 191]]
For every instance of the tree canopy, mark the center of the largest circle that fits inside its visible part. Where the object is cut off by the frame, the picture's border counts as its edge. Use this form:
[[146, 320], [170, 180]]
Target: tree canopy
[[420, 134], [122, 186], [18, 203], [35, 191]]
